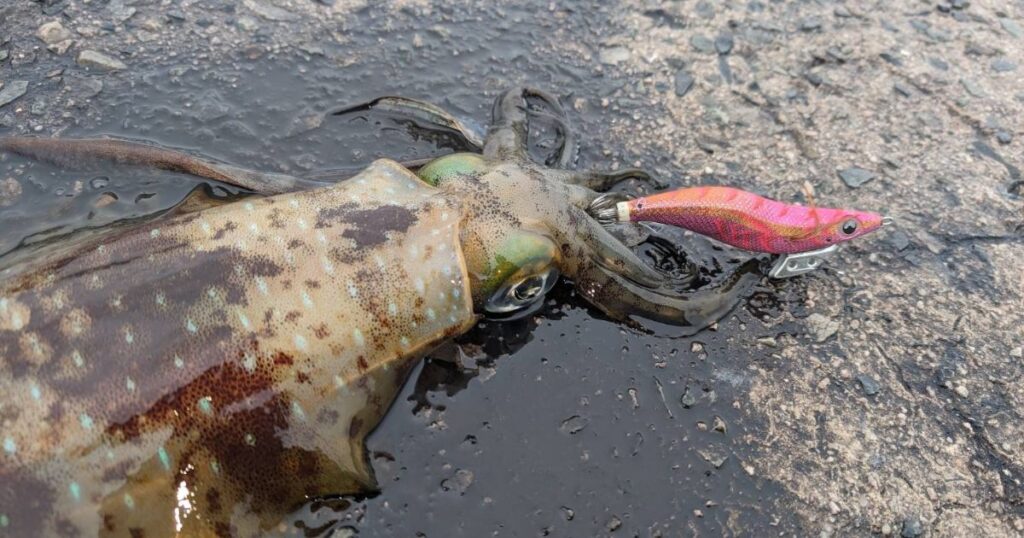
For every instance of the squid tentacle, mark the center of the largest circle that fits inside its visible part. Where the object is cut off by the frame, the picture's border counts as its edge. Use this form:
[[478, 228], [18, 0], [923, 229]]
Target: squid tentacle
[[601, 181], [509, 131], [607, 251], [69, 152], [569, 146], [435, 117], [619, 298], [507, 135]]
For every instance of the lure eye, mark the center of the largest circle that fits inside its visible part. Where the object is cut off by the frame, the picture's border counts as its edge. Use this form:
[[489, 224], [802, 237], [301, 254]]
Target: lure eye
[[849, 227], [520, 294]]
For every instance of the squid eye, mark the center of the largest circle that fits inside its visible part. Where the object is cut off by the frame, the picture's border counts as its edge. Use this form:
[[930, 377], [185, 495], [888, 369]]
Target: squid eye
[[849, 227], [520, 294]]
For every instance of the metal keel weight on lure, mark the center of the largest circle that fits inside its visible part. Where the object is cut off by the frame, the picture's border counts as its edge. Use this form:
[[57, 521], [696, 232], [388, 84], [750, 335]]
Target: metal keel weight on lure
[[802, 236]]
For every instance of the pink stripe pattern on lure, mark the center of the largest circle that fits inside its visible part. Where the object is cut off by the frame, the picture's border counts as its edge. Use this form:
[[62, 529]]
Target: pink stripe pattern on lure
[[750, 222]]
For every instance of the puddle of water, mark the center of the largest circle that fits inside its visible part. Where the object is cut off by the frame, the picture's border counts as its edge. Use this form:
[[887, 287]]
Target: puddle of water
[[573, 426]]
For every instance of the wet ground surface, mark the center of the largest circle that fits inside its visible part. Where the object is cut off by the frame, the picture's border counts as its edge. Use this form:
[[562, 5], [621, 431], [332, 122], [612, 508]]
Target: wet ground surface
[[879, 396]]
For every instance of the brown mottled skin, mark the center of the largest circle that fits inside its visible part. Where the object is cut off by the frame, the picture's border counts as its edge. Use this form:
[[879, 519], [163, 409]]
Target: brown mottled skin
[[206, 373]]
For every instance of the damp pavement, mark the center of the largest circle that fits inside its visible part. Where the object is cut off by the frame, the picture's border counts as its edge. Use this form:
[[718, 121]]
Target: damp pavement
[[880, 396]]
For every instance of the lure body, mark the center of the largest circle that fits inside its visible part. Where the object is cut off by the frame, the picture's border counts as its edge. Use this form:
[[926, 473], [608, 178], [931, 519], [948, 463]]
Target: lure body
[[748, 221]]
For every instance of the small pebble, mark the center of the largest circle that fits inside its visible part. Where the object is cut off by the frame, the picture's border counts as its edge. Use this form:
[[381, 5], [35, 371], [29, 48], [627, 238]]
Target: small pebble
[[724, 44], [1004, 137], [855, 177], [53, 32], [93, 59], [613, 55], [868, 384], [1012, 27], [810, 24], [574, 424], [702, 44], [12, 90], [458, 483], [1003, 65], [688, 398], [902, 89], [899, 240], [10, 191], [972, 87], [684, 82], [912, 527]]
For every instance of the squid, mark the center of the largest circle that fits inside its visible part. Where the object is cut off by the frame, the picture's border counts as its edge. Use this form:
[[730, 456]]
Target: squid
[[208, 371]]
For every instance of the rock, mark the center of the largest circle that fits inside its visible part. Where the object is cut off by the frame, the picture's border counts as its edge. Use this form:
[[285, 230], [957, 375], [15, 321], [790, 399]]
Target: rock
[[855, 177], [53, 32], [684, 82], [10, 191], [1003, 65], [96, 60], [3, 55], [613, 55], [868, 384], [821, 327], [702, 44], [1012, 27], [614, 524], [1004, 137], [12, 90], [175, 15], [912, 527], [269, 12], [724, 44]]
